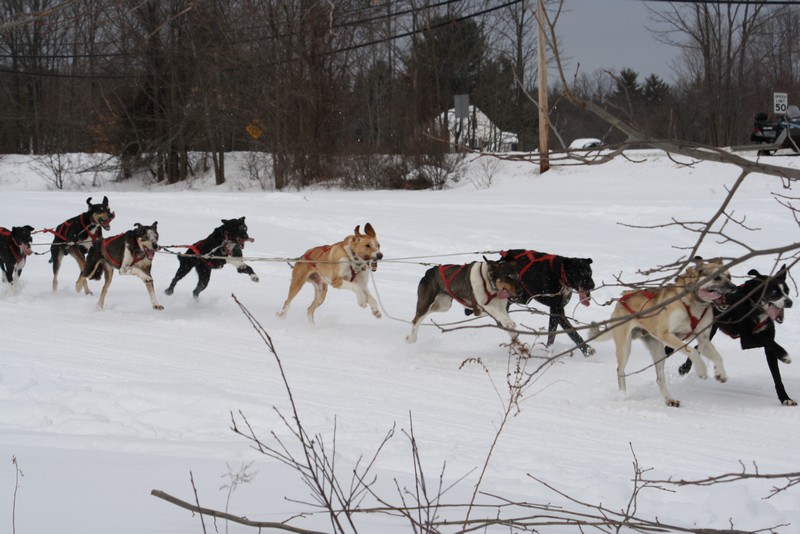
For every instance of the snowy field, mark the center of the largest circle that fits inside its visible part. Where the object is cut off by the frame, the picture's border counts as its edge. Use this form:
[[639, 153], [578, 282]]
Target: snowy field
[[100, 407]]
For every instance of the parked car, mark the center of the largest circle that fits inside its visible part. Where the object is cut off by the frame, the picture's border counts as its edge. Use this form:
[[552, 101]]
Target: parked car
[[783, 132]]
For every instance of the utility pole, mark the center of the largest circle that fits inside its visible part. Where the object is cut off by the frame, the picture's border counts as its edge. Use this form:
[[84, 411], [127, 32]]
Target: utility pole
[[544, 122]]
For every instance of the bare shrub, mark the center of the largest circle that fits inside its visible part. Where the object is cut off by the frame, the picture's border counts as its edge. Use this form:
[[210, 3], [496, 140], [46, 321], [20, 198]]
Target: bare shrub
[[260, 170], [373, 171], [487, 170]]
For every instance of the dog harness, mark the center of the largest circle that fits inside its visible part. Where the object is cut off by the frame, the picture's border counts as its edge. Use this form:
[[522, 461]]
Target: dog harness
[[448, 280], [5, 232], [137, 252], [63, 229], [324, 249], [537, 257], [693, 320]]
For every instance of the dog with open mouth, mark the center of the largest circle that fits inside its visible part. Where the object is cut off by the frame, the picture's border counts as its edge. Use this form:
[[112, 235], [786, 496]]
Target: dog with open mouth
[[224, 245], [551, 280], [343, 265], [674, 316], [749, 314], [75, 236], [15, 247], [129, 253], [484, 287]]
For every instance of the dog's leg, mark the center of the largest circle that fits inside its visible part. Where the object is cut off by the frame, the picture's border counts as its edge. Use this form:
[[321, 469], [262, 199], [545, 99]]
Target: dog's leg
[[143, 273], [622, 342], [76, 252], [363, 296], [675, 343], [241, 267], [656, 349], [320, 292], [427, 302], [56, 255], [184, 267], [497, 309], [774, 352], [710, 351], [300, 272], [203, 277], [562, 321], [109, 274]]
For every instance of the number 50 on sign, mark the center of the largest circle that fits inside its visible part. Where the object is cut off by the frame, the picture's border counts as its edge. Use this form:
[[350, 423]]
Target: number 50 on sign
[[781, 102]]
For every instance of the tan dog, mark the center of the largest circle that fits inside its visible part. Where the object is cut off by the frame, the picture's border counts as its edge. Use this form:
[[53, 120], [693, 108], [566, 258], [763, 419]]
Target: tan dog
[[674, 315], [344, 265]]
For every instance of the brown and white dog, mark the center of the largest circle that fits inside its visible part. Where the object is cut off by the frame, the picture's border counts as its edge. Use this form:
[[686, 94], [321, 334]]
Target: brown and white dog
[[672, 316], [344, 265], [129, 253], [481, 286], [15, 247]]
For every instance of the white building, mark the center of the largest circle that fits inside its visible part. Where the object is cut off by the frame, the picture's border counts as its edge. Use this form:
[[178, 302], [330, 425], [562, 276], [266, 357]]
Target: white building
[[477, 132]]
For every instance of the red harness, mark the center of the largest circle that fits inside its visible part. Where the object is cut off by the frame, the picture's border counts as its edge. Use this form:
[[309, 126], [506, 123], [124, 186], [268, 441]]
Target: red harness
[[324, 249], [12, 243], [136, 251], [448, 280], [537, 257], [693, 320], [63, 229]]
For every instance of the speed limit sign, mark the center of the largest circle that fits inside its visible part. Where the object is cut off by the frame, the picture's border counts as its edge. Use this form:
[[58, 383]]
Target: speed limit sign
[[781, 102]]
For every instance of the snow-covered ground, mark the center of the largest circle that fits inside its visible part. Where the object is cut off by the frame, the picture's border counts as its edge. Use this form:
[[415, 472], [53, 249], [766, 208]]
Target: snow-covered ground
[[99, 407]]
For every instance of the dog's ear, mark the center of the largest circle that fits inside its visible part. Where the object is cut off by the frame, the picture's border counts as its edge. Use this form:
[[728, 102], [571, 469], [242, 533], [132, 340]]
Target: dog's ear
[[29, 228], [89, 202], [357, 231], [241, 219], [154, 226], [753, 272], [105, 202], [698, 260], [137, 225], [224, 221], [369, 230], [588, 260], [781, 274]]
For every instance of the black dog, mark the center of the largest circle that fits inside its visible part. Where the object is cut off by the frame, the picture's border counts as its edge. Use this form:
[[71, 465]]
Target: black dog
[[551, 280], [15, 247], [79, 232], [227, 240], [750, 314]]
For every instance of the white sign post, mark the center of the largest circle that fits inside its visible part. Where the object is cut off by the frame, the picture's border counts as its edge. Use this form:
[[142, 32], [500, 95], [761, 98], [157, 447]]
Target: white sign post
[[780, 102]]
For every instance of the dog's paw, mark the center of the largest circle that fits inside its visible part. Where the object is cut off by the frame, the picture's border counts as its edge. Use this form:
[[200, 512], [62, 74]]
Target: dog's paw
[[377, 314], [785, 358], [411, 338], [789, 402], [588, 351], [722, 377], [158, 307], [673, 403], [169, 291], [254, 277]]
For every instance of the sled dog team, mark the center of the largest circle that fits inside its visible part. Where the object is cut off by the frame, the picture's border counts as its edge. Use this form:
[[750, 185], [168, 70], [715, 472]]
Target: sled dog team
[[668, 318]]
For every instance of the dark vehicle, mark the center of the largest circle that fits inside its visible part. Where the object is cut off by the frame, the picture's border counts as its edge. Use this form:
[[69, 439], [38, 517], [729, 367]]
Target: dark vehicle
[[781, 133]]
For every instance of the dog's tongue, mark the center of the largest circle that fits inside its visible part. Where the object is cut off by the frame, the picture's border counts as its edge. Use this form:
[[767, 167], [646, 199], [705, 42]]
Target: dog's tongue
[[585, 297], [26, 249], [775, 313], [503, 294], [710, 296], [150, 253]]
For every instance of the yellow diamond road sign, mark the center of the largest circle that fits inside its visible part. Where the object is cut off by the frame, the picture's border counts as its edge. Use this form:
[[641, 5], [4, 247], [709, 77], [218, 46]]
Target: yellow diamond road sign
[[255, 129]]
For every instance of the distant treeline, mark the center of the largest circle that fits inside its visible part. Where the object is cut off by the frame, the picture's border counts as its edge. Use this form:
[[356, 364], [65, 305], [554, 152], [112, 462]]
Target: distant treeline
[[313, 81]]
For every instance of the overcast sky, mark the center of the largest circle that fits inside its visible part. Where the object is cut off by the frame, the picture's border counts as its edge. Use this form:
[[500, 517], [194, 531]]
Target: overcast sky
[[612, 34]]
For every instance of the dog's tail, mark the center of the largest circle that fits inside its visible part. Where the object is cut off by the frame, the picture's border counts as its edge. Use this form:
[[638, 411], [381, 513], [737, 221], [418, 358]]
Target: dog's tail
[[598, 334]]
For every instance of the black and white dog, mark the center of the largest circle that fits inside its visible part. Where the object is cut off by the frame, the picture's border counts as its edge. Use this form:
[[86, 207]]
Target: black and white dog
[[129, 253], [550, 280], [15, 247], [74, 236], [749, 314], [226, 240], [482, 286]]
